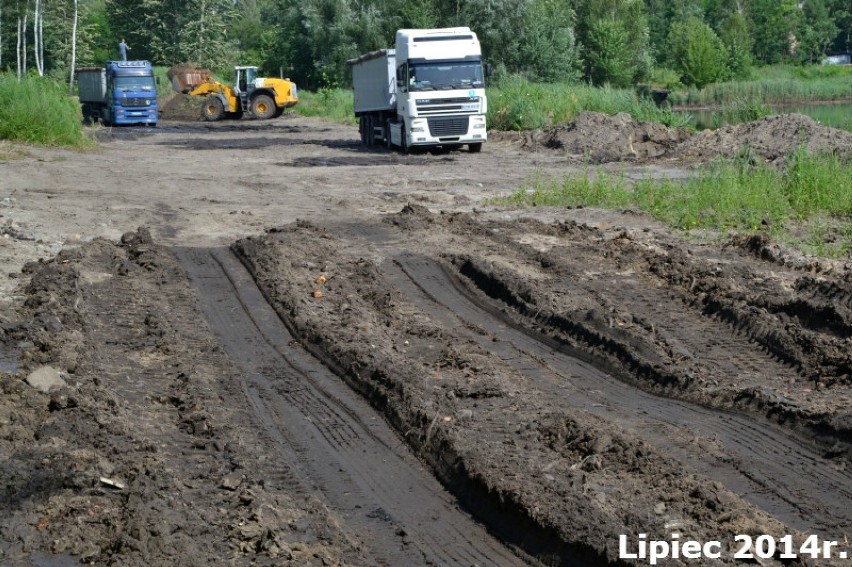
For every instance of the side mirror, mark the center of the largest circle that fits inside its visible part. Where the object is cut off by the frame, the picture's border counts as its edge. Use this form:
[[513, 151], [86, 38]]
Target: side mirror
[[489, 68]]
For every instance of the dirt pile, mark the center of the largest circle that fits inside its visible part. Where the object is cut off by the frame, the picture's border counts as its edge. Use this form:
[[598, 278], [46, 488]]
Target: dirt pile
[[180, 107], [771, 138], [598, 138]]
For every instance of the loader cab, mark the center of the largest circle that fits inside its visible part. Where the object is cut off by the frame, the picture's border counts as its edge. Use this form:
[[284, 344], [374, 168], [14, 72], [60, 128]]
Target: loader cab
[[245, 79]]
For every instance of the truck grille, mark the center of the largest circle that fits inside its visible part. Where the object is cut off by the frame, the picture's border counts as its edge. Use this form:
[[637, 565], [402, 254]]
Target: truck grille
[[467, 105], [440, 127], [136, 101]]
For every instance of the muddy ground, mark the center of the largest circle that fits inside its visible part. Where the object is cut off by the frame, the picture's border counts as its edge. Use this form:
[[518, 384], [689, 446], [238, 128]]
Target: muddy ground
[[313, 353]]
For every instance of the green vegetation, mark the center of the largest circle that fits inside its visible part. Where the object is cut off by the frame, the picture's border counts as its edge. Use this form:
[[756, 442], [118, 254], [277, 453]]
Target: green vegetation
[[615, 42], [334, 104], [518, 104], [775, 84], [39, 111], [807, 203]]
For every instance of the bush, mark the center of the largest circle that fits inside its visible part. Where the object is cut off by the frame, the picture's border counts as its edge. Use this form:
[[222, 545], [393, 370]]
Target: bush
[[38, 110]]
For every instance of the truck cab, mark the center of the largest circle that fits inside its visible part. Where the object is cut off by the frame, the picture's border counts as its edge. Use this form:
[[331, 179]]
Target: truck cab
[[440, 88], [131, 92], [123, 92], [427, 91]]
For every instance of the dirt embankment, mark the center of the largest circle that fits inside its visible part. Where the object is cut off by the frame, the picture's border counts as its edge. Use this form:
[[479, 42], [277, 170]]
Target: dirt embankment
[[598, 138]]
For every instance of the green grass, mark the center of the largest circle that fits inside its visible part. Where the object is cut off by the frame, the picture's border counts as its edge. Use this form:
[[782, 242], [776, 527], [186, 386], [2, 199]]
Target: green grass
[[517, 104], [334, 104], [774, 85], [38, 110], [807, 204]]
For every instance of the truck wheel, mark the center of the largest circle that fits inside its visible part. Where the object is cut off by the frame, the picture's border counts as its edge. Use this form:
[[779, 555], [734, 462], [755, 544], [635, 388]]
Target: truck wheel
[[368, 130], [474, 148], [263, 107], [212, 109]]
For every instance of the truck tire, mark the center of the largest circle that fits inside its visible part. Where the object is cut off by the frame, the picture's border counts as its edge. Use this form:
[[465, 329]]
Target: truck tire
[[474, 148], [263, 107], [212, 109], [368, 130]]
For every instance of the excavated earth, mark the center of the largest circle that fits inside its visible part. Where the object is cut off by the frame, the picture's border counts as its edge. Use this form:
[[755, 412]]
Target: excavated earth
[[259, 343]]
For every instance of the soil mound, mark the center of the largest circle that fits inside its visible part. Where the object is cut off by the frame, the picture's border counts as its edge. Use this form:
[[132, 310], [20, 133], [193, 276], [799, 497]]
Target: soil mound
[[599, 138], [772, 138], [180, 107]]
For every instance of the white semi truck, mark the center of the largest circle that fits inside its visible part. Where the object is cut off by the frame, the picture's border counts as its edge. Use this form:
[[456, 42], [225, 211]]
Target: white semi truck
[[428, 91]]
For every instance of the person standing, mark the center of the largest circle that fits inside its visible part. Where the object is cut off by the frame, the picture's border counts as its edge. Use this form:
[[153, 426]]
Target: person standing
[[122, 49]]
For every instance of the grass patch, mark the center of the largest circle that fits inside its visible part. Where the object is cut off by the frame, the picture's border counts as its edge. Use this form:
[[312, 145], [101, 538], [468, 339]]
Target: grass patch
[[774, 85], [517, 104], [38, 110], [808, 204], [334, 104]]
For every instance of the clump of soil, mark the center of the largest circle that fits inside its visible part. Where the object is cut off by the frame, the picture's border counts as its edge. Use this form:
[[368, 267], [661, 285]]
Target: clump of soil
[[772, 138], [594, 137], [598, 138], [180, 107]]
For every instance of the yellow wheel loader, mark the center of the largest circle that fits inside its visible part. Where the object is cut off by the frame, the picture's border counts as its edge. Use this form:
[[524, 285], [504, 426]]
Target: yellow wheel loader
[[263, 98]]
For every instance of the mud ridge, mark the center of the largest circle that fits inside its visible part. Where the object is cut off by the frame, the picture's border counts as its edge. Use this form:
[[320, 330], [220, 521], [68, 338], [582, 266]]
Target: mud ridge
[[498, 509], [719, 290]]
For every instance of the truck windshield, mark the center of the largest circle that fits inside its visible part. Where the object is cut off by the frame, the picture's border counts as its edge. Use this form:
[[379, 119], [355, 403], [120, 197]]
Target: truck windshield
[[134, 83], [445, 75]]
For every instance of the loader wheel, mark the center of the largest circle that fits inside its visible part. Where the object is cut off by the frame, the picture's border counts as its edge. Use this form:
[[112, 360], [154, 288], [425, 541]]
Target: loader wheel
[[263, 107], [212, 109]]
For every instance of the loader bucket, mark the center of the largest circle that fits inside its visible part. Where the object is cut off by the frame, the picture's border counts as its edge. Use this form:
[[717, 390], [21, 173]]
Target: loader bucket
[[186, 77]]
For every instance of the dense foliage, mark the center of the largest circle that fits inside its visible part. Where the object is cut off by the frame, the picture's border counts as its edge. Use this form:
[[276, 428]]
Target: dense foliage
[[616, 42]]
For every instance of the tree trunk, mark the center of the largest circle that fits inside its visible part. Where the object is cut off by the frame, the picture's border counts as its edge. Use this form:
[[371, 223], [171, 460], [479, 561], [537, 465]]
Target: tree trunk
[[36, 53], [24, 37], [18, 48], [73, 52]]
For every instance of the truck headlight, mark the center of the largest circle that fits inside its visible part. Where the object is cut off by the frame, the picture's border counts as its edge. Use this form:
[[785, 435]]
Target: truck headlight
[[418, 129], [479, 126]]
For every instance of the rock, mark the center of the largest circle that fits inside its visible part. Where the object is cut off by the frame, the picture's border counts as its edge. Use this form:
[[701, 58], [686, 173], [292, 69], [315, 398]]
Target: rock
[[660, 508], [232, 481], [45, 379]]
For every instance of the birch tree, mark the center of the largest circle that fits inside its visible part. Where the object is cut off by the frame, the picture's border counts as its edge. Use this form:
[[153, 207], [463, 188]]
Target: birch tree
[[73, 51]]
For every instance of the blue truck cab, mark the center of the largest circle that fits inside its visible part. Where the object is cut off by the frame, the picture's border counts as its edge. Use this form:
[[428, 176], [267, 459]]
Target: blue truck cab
[[123, 92]]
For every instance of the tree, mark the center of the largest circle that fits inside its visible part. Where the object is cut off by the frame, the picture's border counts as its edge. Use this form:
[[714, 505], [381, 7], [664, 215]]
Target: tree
[[545, 44], [615, 40], [607, 57], [817, 31], [737, 39], [697, 53]]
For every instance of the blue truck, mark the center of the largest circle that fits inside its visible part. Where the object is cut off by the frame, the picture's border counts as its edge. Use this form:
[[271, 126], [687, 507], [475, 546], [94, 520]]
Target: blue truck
[[123, 92]]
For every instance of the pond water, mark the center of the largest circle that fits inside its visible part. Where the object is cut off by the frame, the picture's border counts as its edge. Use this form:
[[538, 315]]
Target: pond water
[[836, 115]]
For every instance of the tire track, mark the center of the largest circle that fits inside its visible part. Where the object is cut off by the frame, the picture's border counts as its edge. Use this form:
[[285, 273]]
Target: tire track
[[341, 447], [759, 461]]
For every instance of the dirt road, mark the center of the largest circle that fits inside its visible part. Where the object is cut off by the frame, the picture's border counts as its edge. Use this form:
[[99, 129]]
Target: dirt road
[[317, 353]]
